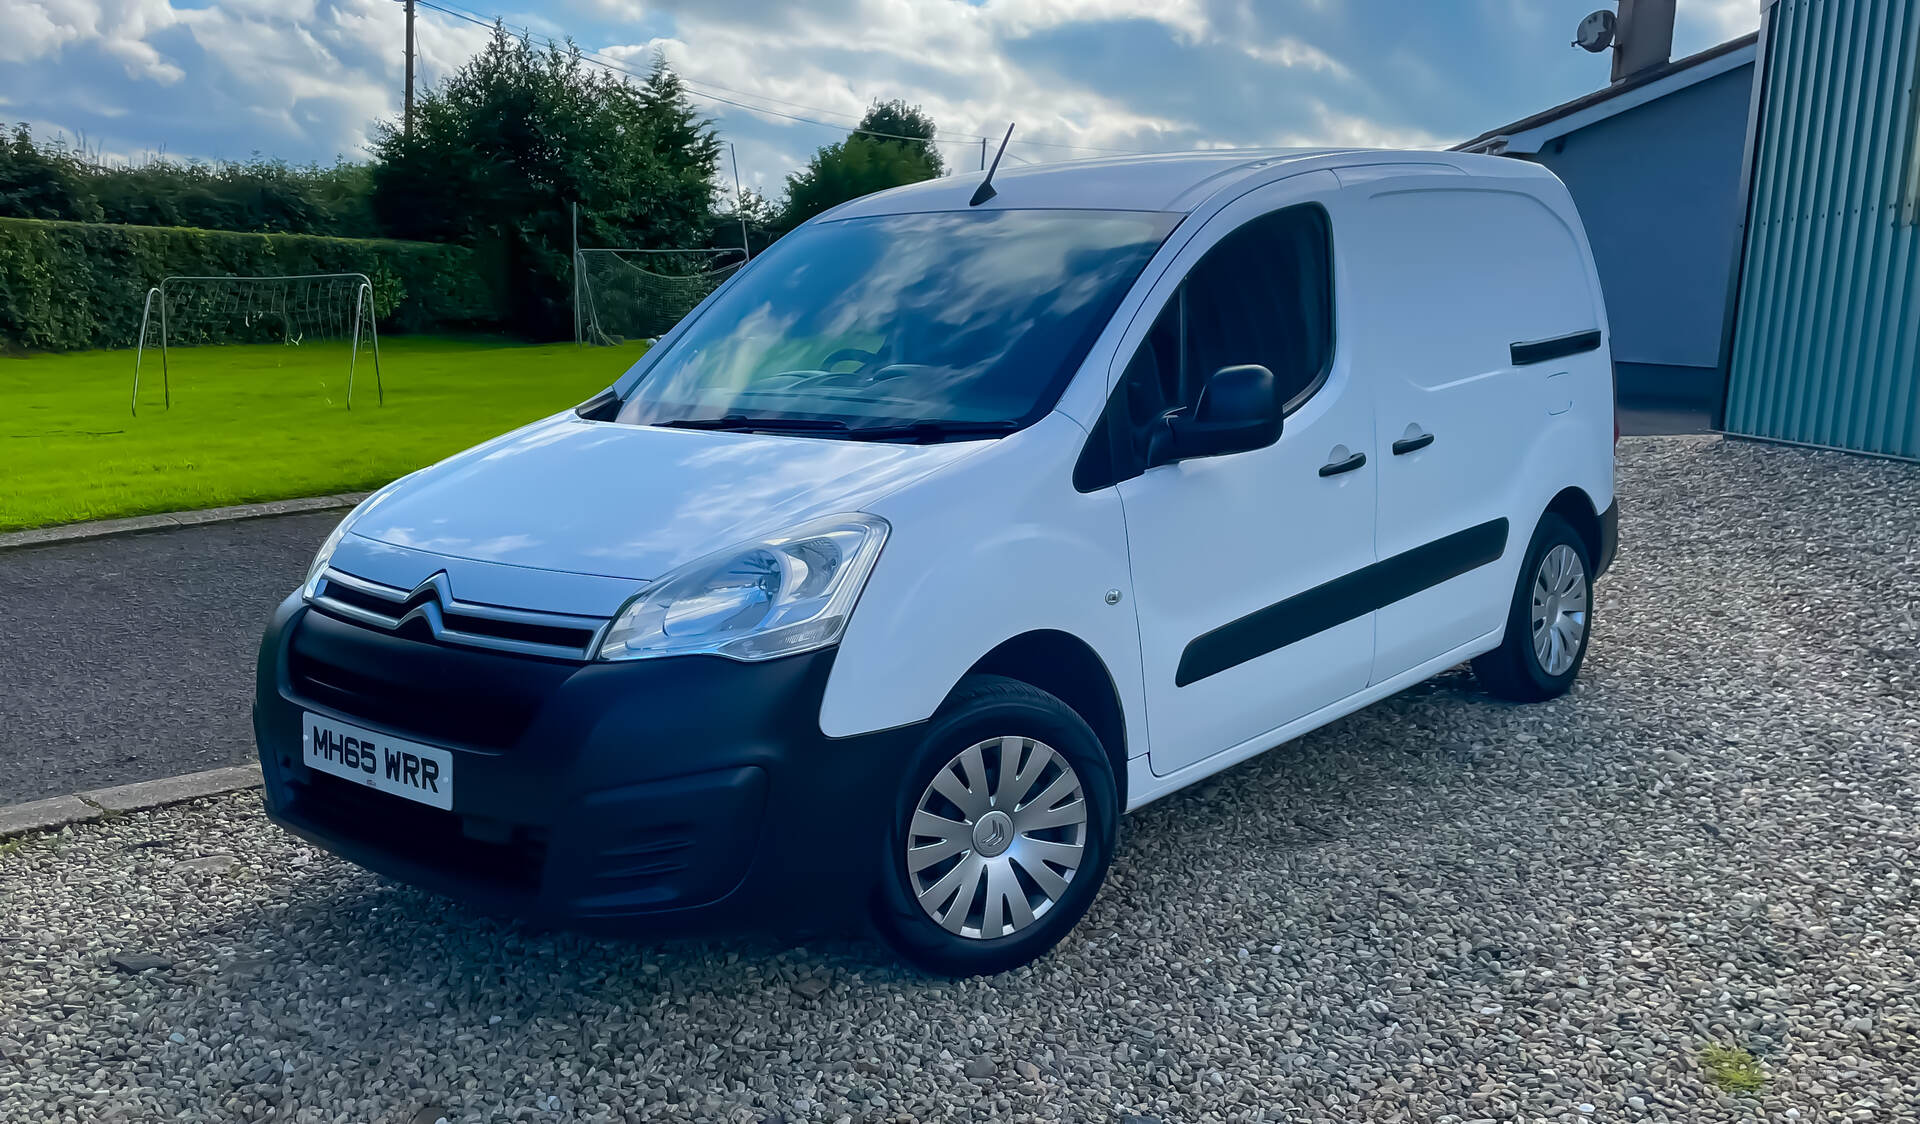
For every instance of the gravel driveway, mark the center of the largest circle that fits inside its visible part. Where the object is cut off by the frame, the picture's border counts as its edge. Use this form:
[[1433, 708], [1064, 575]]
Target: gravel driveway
[[1696, 874]]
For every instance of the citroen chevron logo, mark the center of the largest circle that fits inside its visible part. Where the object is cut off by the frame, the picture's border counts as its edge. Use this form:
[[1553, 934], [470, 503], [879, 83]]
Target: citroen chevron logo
[[438, 585], [431, 602]]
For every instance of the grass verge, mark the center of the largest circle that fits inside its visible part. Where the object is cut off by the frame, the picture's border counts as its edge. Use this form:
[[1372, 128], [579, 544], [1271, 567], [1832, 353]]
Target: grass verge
[[263, 422], [1731, 1068]]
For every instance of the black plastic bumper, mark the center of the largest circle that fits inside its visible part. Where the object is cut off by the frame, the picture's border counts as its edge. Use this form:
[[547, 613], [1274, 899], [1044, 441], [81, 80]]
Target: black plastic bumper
[[1609, 538], [691, 792]]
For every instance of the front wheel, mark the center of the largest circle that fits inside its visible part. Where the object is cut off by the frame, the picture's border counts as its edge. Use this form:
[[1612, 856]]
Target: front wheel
[[1002, 832], [1549, 621]]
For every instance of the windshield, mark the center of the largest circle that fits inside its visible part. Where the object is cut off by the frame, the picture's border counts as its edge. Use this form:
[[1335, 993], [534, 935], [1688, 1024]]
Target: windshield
[[912, 326]]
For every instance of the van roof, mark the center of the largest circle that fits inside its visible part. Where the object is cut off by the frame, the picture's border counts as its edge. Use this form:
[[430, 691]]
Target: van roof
[[1174, 182]]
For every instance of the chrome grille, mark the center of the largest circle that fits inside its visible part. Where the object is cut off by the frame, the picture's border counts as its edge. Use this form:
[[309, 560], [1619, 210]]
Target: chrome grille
[[432, 608]]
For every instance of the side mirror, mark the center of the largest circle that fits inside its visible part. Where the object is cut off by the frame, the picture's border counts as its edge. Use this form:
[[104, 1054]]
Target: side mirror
[[1238, 412]]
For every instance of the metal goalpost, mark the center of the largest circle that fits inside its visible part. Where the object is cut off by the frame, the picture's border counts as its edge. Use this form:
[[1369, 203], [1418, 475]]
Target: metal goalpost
[[242, 308]]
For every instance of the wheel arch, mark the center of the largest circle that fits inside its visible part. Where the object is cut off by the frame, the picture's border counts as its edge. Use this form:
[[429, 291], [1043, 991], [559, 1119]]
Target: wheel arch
[[1576, 507], [1067, 667]]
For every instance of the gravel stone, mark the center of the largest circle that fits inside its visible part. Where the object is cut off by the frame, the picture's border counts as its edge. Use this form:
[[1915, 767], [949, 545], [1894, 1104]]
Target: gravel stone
[[1443, 908]]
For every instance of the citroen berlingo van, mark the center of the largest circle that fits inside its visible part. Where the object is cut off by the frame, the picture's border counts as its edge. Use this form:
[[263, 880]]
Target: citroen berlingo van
[[960, 522]]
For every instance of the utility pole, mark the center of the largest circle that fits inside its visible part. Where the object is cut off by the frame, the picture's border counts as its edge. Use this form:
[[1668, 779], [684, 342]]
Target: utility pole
[[740, 205], [579, 334], [983, 142], [406, 119]]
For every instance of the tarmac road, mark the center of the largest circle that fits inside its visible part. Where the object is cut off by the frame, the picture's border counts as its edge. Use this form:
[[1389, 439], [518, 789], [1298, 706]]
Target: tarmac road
[[130, 658]]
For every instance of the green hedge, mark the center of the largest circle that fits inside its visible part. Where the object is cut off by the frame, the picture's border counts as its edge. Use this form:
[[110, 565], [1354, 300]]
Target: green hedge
[[66, 286]]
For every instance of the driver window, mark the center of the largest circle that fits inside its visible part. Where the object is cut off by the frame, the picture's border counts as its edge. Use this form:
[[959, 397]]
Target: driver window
[[1263, 295]]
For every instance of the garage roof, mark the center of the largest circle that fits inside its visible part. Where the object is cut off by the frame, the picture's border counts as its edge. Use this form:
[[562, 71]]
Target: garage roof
[[1529, 134]]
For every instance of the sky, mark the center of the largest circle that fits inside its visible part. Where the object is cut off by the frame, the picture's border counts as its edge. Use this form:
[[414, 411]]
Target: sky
[[304, 80]]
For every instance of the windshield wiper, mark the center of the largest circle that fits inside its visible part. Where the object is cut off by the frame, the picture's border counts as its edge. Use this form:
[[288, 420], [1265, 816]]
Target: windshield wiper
[[931, 429], [771, 425], [922, 429]]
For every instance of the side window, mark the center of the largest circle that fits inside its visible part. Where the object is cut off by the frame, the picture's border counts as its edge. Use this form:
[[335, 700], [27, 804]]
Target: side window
[[1263, 294]]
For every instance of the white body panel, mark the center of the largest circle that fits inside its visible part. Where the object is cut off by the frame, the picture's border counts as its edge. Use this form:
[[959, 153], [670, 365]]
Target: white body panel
[[1195, 529], [631, 501], [1439, 262], [1214, 539], [1448, 272], [976, 558]]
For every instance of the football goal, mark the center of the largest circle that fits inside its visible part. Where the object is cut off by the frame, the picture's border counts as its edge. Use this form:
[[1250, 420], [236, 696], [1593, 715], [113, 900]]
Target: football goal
[[625, 295], [299, 310]]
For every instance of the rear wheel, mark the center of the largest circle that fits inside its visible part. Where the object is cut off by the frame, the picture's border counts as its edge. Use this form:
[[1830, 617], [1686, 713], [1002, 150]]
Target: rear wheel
[[1549, 621], [1002, 831]]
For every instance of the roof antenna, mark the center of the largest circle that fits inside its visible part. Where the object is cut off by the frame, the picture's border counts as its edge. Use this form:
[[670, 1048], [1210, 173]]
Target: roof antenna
[[985, 191]]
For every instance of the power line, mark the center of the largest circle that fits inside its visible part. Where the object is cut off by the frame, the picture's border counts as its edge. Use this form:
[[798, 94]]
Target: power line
[[614, 65], [698, 89]]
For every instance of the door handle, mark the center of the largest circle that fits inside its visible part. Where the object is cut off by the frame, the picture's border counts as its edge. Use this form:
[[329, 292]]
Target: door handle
[[1411, 444], [1335, 468]]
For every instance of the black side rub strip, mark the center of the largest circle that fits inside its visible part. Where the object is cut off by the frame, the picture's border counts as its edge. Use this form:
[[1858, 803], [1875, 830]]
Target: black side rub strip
[[1340, 600], [1539, 351]]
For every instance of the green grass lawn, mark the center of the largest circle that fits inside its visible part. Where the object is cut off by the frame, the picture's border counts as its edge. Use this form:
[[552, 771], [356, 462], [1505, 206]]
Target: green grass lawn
[[263, 422]]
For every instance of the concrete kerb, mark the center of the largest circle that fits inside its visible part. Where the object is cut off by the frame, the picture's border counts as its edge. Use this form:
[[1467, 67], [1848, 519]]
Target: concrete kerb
[[59, 811], [140, 524]]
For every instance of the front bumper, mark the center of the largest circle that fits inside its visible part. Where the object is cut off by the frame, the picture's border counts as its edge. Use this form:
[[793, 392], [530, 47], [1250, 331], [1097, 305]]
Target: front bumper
[[692, 792]]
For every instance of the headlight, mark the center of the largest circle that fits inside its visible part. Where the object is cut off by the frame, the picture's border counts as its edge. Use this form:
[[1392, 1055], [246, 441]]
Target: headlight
[[319, 564], [788, 593]]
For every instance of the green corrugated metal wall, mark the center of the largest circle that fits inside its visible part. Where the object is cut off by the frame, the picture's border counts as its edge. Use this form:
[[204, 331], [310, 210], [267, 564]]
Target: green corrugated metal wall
[[1826, 346]]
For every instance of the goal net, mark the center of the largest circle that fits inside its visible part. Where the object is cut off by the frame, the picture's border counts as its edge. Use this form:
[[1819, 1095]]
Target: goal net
[[640, 294], [324, 314]]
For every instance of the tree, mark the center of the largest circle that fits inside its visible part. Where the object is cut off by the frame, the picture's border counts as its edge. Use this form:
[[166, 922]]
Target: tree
[[759, 214], [501, 149], [889, 120], [872, 158], [43, 181], [258, 194]]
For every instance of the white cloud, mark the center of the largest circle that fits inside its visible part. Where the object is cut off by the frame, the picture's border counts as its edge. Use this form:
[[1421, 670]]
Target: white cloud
[[308, 77], [1332, 128], [287, 77], [31, 29], [1186, 18], [1726, 18], [953, 58], [947, 57], [1292, 52]]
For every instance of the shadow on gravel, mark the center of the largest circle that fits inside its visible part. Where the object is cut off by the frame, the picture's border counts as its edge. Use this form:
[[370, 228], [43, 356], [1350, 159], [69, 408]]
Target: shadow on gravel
[[1345, 783]]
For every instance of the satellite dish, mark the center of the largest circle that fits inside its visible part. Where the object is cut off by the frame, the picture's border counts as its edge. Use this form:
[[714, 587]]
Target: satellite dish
[[1595, 33]]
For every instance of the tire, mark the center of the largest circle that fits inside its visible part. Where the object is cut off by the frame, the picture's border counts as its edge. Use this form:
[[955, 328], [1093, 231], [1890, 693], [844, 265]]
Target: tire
[[1517, 669], [992, 846]]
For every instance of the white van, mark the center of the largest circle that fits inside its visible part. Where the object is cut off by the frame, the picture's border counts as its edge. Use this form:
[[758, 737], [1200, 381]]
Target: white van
[[954, 526]]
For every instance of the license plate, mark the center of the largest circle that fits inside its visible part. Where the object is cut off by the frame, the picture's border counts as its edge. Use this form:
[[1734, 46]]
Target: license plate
[[379, 761]]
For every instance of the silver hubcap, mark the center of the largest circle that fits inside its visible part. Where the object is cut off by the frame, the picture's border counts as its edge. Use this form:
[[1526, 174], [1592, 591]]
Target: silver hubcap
[[1559, 609], [996, 837]]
